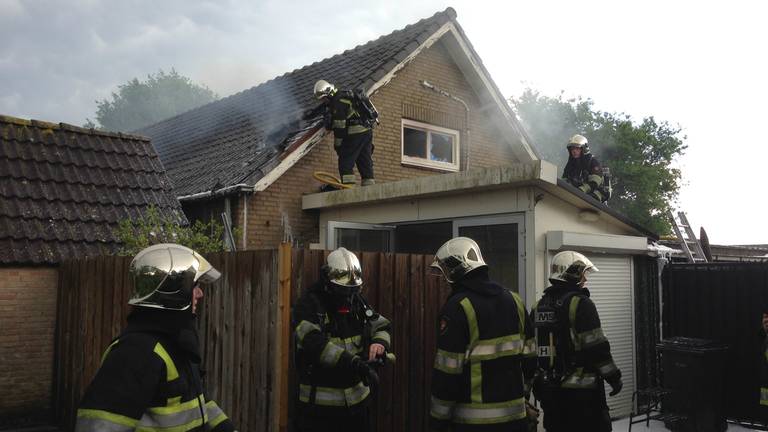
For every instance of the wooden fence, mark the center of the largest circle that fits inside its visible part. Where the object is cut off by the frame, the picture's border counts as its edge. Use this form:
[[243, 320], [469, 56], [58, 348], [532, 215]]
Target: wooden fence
[[246, 336]]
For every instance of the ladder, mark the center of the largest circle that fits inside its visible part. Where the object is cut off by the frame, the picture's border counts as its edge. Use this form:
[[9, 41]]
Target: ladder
[[690, 243]]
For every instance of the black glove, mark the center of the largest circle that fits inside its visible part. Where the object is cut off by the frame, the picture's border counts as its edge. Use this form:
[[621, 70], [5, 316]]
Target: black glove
[[367, 375], [616, 386]]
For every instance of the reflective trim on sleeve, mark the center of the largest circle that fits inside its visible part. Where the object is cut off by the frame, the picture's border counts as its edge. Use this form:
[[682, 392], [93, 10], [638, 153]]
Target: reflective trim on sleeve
[[303, 329], [329, 396], [489, 413], [98, 420], [597, 179], [107, 351], [215, 415], [339, 124], [607, 368], [352, 344], [488, 349], [763, 396], [440, 409], [330, 354], [381, 336], [591, 338], [449, 362], [170, 368], [182, 417], [578, 379], [529, 350]]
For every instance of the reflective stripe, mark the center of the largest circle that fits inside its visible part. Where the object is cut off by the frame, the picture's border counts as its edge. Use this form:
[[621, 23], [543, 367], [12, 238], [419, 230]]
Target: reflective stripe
[[597, 179], [106, 351], [337, 142], [449, 362], [489, 413], [352, 344], [574, 306], [591, 338], [348, 179], [476, 372], [190, 404], [763, 396], [441, 409], [98, 420], [170, 368], [529, 350], [330, 354], [520, 313], [489, 349], [330, 396], [303, 329], [607, 368], [579, 379], [381, 336], [182, 417], [357, 129], [215, 415], [339, 124]]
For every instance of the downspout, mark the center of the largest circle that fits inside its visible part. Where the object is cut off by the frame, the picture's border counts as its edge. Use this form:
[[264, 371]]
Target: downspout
[[245, 221], [436, 89]]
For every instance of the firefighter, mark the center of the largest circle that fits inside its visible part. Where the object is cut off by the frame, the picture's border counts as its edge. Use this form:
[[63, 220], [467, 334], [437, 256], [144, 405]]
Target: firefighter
[[584, 171], [353, 136], [149, 377], [574, 355], [338, 339], [485, 356]]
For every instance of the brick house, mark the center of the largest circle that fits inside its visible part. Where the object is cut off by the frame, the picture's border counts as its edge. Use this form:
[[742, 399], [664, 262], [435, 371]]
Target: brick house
[[450, 159], [63, 190]]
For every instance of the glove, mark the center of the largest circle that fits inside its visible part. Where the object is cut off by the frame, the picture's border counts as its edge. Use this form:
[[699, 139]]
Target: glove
[[616, 386], [367, 375]]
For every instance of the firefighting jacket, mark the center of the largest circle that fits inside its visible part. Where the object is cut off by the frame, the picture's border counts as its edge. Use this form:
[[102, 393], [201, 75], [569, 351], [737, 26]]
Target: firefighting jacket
[[326, 342], [485, 357], [586, 356], [149, 380], [585, 173], [764, 371], [345, 120]]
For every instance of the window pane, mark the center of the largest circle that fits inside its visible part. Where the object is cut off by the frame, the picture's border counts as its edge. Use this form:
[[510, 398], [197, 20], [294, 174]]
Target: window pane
[[363, 240], [441, 147], [424, 238], [498, 244], [414, 143]]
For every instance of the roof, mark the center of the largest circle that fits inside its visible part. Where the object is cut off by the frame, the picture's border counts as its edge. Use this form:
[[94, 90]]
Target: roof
[[238, 140], [63, 189]]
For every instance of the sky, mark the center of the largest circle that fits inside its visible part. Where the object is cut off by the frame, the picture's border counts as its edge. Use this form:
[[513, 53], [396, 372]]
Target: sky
[[698, 64]]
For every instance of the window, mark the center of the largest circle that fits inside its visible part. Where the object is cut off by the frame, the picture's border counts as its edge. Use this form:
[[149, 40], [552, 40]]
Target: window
[[360, 236], [430, 146]]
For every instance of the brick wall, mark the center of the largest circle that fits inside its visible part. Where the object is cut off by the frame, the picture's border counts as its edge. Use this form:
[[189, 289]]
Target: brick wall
[[27, 323], [275, 214]]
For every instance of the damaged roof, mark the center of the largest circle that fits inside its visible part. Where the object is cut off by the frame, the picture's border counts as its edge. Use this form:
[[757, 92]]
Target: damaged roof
[[64, 189], [239, 139]]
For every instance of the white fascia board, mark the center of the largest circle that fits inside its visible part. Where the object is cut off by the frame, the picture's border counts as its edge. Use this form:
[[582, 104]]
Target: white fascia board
[[274, 174], [602, 243]]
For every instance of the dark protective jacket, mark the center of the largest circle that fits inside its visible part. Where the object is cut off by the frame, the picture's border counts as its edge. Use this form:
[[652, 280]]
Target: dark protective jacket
[[344, 118], [485, 358], [764, 372], [586, 173], [326, 342], [150, 380], [582, 353]]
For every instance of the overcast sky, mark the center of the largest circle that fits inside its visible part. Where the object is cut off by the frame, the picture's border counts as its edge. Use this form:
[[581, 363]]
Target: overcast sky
[[702, 65]]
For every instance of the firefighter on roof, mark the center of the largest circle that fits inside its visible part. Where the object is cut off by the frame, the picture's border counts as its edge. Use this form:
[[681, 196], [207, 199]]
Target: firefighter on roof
[[584, 171]]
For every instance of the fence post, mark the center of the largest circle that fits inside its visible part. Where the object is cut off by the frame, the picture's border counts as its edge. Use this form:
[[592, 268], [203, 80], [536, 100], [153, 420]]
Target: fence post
[[284, 336]]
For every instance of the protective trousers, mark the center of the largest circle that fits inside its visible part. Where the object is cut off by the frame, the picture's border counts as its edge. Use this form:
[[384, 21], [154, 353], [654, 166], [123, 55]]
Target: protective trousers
[[356, 149], [577, 410], [358, 420]]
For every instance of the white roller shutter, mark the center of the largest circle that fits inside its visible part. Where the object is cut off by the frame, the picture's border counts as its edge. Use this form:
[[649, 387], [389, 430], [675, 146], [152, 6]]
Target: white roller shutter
[[611, 290]]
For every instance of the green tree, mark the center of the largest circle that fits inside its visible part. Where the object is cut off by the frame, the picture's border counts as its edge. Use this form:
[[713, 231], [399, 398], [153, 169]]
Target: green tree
[[639, 154], [153, 228], [141, 103]]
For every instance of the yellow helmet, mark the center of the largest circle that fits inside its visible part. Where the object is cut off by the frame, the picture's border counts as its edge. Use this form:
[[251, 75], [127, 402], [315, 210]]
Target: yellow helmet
[[570, 266], [457, 257], [324, 89], [164, 275]]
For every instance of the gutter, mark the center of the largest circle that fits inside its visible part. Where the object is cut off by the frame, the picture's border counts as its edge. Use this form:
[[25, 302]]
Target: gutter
[[242, 187]]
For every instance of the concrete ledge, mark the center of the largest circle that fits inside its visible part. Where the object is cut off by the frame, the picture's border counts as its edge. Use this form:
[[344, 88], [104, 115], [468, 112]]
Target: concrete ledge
[[605, 243], [441, 184]]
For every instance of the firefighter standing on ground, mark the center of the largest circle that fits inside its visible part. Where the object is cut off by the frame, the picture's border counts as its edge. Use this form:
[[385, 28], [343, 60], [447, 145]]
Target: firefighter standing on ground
[[337, 334], [574, 355], [149, 377], [583, 170], [485, 348], [353, 137]]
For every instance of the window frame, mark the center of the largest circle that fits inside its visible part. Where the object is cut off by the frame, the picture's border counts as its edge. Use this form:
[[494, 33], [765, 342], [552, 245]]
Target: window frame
[[424, 162]]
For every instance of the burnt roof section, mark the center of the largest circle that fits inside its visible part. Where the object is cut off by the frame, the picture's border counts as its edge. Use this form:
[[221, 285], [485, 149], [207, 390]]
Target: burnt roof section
[[63, 189], [239, 139]]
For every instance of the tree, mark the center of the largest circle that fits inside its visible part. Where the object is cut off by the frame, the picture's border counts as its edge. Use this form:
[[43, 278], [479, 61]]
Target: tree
[[135, 235], [639, 155], [141, 103]]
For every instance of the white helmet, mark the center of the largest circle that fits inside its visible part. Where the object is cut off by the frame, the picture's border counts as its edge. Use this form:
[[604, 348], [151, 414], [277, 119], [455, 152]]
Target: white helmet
[[324, 89], [579, 141], [164, 275], [457, 257], [570, 266]]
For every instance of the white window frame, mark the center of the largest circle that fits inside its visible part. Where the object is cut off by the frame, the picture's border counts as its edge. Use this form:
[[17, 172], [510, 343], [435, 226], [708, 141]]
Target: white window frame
[[423, 162], [331, 238]]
